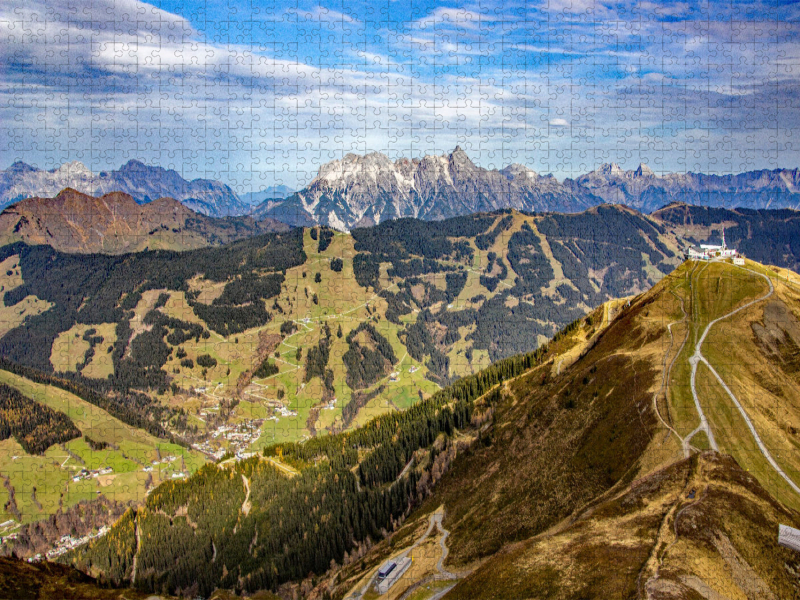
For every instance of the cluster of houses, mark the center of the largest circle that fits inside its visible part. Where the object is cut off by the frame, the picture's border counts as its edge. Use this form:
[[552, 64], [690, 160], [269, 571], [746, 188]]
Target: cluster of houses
[[67, 543], [89, 473], [712, 251], [63, 545], [163, 461], [239, 437]]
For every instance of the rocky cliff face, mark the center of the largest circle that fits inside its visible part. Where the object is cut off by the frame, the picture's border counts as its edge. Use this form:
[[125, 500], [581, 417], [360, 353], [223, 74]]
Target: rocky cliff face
[[142, 182], [364, 190]]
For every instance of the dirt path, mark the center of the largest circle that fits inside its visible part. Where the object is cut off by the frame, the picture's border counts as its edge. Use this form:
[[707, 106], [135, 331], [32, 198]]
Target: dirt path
[[693, 361], [138, 546], [438, 516], [667, 370], [698, 357], [246, 506], [442, 574]]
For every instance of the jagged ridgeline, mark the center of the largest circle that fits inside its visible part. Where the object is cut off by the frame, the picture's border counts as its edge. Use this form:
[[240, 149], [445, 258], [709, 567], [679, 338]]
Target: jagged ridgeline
[[248, 525]]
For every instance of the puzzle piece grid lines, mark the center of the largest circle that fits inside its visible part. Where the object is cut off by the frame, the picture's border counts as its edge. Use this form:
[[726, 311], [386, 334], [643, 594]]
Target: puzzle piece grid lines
[[269, 96]]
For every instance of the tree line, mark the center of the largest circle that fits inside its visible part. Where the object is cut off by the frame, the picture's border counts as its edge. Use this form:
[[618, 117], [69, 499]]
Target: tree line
[[35, 426]]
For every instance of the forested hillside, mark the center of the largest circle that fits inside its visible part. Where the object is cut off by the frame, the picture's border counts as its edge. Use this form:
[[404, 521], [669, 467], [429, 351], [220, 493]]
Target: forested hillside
[[284, 337], [586, 480], [263, 527], [374, 320], [571, 457], [35, 426]]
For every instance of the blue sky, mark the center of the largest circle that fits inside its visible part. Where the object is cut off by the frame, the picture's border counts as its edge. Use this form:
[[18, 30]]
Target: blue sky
[[261, 93]]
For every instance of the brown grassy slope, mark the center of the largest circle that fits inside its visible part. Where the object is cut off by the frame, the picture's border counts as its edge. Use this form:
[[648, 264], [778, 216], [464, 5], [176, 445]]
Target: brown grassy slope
[[115, 223], [557, 443], [20, 580], [560, 442], [653, 542]]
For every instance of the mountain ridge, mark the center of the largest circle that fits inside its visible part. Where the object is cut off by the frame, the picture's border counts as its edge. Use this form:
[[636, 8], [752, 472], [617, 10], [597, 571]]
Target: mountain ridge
[[358, 191], [142, 182], [115, 223]]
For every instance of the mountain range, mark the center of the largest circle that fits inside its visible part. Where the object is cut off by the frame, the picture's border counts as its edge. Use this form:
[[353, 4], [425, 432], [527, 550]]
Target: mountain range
[[506, 398], [280, 192], [358, 191], [144, 183]]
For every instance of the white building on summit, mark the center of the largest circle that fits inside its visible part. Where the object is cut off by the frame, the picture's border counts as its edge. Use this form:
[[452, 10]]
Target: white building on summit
[[711, 251]]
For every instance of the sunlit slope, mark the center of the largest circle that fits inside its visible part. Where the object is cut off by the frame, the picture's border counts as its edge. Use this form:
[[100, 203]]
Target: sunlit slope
[[586, 483], [747, 369], [345, 326], [43, 484], [701, 528], [567, 473], [272, 519]]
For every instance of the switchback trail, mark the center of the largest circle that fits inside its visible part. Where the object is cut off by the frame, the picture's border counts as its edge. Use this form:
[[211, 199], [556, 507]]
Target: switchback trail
[[442, 574]]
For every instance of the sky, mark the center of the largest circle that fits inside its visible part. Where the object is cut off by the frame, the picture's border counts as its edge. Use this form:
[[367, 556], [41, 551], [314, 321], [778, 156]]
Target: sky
[[262, 93]]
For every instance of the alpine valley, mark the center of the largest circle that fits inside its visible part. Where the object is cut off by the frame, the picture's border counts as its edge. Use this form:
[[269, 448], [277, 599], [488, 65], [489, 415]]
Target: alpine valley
[[500, 402]]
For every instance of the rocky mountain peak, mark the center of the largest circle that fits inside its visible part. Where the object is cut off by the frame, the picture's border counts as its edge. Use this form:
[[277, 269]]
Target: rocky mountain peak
[[516, 170], [644, 171], [134, 165], [460, 158], [609, 169], [73, 169], [143, 182], [20, 167]]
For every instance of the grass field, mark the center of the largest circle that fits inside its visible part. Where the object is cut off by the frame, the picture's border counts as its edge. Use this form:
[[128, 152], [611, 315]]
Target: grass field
[[767, 392], [51, 474], [69, 349]]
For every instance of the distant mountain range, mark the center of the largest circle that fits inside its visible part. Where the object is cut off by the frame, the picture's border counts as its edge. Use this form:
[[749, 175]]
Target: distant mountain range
[[364, 190], [270, 193], [142, 182]]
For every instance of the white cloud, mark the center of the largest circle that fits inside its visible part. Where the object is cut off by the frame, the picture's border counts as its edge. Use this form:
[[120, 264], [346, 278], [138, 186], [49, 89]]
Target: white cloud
[[116, 77]]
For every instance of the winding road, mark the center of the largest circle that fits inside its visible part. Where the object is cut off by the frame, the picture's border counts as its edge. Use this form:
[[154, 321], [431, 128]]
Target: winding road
[[442, 574], [698, 357]]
